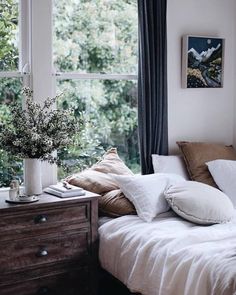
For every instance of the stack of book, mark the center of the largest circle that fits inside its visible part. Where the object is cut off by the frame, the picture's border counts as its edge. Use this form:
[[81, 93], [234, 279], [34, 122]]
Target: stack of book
[[64, 190]]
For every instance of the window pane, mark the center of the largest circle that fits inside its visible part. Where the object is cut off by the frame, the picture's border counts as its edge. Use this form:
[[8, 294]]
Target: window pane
[[96, 36], [9, 35], [111, 109], [10, 167]]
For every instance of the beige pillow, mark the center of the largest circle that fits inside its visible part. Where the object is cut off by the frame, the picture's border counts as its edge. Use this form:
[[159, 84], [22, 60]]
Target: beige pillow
[[93, 181], [115, 204], [111, 163], [196, 154], [199, 203], [96, 179]]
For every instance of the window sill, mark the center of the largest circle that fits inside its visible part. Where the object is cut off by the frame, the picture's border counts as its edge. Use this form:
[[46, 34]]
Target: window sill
[[4, 189]]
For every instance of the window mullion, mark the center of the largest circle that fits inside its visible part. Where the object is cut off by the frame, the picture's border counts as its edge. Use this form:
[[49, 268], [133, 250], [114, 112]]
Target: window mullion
[[94, 76], [25, 42], [10, 74], [41, 65]]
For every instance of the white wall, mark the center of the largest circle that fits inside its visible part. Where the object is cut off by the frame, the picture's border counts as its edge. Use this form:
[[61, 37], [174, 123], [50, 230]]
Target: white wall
[[201, 114]]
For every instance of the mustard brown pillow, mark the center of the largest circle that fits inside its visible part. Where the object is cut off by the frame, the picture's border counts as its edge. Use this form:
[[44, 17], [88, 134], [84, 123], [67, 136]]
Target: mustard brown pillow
[[196, 154], [96, 179], [115, 204]]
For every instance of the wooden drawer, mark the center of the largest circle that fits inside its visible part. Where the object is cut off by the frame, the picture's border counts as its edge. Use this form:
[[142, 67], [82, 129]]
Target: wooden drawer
[[43, 244], [74, 283], [43, 221], [41, 251]]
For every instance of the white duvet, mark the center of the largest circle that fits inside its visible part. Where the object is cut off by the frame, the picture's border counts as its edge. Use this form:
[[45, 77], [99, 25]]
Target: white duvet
[[170, 256]]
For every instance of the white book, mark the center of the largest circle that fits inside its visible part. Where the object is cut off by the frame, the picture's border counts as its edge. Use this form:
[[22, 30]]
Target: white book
[[65, 187], [69, 194]]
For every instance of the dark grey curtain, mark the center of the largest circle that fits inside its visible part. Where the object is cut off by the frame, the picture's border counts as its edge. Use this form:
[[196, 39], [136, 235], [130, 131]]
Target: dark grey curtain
[[152, 81]]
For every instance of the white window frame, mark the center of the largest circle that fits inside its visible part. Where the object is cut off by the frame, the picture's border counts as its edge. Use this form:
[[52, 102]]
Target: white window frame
[[93, 76], [42, 80], [35, 59], [76, 75]]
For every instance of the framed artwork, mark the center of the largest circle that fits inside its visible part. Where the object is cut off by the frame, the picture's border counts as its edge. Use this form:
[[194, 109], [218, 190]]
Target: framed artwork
[[202, 62]]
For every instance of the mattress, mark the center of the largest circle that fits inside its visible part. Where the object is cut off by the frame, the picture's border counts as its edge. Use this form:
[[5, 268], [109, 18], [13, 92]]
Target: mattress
[[170, 256]]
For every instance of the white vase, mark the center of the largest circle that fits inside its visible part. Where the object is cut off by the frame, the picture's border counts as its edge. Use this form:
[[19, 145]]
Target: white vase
[[32, 177]]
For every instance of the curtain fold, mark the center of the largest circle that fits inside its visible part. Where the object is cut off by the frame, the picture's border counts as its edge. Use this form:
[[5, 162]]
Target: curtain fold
[[152, 81]]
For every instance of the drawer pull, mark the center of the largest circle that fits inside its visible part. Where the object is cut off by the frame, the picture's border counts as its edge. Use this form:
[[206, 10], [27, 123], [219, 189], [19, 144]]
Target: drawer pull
[[42, 253], [40, 219], [43, 290]]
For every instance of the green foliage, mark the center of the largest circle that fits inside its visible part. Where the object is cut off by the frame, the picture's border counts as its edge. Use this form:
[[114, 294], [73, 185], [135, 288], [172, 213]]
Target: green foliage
[[8, 35], [96, 36], [86, 151], [100, 36], [111, 109], [10, 167], [10, 91]]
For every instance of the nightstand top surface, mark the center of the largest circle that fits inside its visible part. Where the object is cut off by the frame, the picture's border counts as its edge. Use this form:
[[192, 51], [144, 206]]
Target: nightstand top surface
[[44, 200]]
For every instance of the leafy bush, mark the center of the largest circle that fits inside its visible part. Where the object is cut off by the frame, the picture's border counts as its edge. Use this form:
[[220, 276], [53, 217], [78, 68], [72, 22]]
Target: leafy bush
[[84, 42]]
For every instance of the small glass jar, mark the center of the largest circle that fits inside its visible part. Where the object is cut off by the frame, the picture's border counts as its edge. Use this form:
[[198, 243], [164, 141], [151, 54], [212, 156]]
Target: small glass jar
[[14, 190]]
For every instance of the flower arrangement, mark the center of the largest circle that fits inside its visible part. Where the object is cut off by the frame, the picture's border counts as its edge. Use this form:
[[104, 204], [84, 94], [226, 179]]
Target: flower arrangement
[[38, 130]]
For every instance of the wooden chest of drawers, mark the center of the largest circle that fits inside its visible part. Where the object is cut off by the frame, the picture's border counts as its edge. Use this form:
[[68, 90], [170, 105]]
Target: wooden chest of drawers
[[49, 247]]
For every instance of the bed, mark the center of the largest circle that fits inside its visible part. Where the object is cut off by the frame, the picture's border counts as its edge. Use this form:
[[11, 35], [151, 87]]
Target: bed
[[157, 252], [169, 256]]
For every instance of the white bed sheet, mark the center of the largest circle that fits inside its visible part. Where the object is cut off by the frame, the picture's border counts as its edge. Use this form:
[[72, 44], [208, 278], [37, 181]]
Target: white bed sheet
[[104, 219], [170, 256]]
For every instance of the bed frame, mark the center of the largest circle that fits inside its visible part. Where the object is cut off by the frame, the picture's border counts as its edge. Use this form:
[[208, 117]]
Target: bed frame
[[109, 285]]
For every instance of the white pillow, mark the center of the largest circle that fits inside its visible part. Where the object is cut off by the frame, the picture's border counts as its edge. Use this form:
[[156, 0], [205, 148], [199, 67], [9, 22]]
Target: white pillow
[[199, 202], [224, 174], [170, 164], [146, 192]]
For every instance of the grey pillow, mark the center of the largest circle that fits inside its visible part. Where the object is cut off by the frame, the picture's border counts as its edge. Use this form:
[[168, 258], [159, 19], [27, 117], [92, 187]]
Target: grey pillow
[[199, 203]]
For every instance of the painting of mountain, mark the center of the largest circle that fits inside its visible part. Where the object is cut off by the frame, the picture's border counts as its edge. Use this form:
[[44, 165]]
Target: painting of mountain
[[202, 62]]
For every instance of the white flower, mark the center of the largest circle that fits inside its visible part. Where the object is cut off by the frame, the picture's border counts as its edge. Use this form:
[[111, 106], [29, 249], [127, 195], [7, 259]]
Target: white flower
[[49, 143], [16, 143], [47, 103], [35, 136], [38, 124]]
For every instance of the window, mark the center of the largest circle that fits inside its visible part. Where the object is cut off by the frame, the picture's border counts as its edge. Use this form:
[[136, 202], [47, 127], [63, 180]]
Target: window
[[9, 84], [9, 57], [95, 57], [95, 52], [13, 59]]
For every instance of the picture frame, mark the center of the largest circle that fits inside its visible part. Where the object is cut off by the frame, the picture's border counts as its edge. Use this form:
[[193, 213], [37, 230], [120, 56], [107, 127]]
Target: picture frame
[[202, 61]]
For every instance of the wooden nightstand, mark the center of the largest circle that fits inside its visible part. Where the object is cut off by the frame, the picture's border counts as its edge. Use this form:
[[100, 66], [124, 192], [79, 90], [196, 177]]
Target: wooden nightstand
[[49, 247]]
